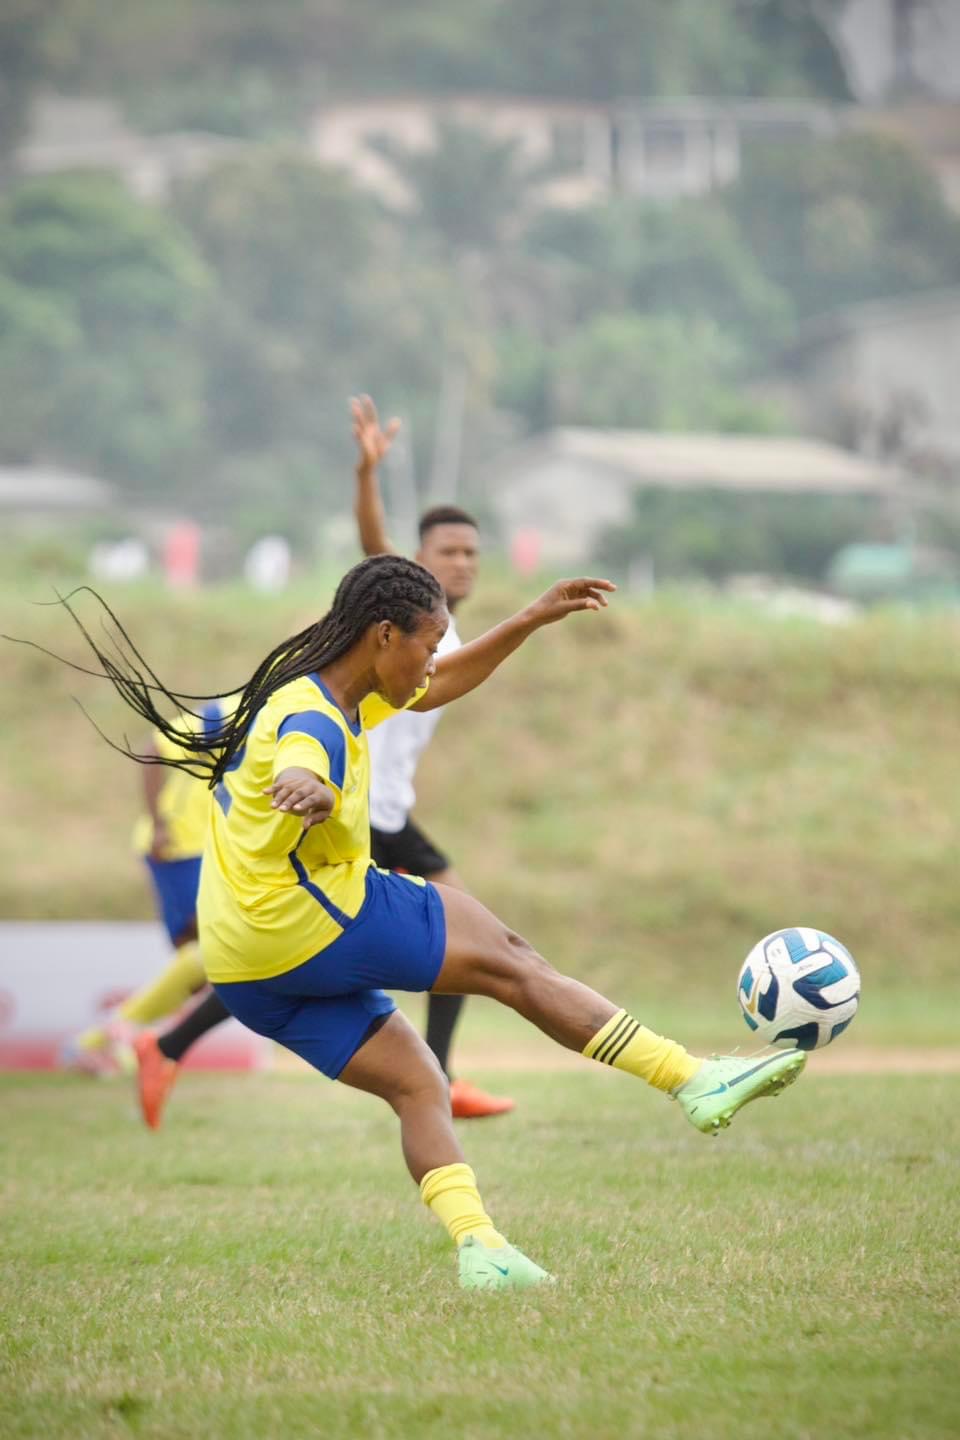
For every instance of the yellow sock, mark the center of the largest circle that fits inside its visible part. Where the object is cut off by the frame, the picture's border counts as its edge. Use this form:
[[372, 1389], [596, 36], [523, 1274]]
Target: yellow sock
[[451, 1193], [92, 1039], [627, 1045], [182, 977]]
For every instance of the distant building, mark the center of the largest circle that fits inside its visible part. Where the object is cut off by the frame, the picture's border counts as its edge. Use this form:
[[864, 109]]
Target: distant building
[[879, 377], [657, 149], [30, 492], [569, 485], [79, 133]]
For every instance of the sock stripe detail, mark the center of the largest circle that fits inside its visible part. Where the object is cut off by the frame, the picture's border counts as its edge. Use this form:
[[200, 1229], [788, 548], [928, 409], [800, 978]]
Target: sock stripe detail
[[610, 1030], [612, 1058], [607, 1042]]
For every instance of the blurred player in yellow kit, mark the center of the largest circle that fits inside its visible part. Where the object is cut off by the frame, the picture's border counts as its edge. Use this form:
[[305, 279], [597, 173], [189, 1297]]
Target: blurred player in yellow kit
[[170, 836]]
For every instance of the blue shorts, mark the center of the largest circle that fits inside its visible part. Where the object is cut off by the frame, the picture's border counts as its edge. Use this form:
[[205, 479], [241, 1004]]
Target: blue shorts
[[324, 1009], [176, 883]]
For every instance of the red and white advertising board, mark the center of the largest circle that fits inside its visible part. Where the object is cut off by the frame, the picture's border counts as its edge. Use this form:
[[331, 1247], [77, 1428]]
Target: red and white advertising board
[[57, 978]]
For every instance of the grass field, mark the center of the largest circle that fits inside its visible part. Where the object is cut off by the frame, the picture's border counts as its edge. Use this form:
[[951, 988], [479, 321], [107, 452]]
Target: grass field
[[263, 1268]]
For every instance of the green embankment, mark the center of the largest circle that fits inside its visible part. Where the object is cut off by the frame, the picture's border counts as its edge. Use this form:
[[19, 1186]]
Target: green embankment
[[643, 793]]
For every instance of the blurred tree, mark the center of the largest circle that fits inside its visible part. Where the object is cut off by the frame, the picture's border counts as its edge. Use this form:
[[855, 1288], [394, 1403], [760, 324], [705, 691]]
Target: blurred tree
[[468, 189], [791, 48], [656, 372], [101, 292], [840, 221], [238, 68], [245, 68], [39, 340], [714, 534], [22, 25], [318, 298], [685, 259], [615, 48]]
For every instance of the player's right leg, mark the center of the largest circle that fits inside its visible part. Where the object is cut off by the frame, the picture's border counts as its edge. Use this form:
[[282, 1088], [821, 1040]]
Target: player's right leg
[[361, 1039], [396, 1064], [483, 957]]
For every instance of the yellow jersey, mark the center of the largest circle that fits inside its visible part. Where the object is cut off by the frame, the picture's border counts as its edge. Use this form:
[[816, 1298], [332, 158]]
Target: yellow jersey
[[184, 802], [272, 894]]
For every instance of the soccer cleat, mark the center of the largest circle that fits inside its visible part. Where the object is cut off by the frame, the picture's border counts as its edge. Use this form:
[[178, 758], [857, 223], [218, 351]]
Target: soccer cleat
[[119, 1041], [103, 1050], [725, 1083], [84, 1059], [467, 1102], [483, 1267], [155, 1078]]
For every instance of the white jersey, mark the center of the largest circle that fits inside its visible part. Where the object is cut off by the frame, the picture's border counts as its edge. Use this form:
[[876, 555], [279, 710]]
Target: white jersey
[[395, 750]]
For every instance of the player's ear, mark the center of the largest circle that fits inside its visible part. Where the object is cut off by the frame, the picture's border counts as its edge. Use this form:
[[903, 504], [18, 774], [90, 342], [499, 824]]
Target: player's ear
[[384, 633]]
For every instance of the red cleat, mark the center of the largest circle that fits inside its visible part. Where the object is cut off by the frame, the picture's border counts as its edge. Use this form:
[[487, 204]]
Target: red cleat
[[156, 1075], [469, 1103]]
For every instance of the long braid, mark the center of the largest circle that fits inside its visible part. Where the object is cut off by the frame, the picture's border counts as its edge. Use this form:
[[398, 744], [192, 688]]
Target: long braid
[[383, 587]]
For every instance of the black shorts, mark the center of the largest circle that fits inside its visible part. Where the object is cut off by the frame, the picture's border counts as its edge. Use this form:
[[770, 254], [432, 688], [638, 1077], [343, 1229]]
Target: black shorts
[[408, 849]]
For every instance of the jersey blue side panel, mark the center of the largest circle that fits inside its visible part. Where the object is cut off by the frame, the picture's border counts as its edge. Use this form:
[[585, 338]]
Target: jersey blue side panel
[[325, 730]]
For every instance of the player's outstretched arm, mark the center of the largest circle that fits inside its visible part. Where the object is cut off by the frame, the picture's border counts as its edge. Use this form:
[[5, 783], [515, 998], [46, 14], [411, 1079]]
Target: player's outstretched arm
[[372, 444], [154, 777], [463, 670]]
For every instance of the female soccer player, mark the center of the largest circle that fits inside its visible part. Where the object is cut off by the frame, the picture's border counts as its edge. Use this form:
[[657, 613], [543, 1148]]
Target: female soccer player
[[301, 934]]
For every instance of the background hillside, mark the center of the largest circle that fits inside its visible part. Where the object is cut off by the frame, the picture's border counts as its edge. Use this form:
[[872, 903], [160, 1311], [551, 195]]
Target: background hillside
[[169, 341], [644, 794]]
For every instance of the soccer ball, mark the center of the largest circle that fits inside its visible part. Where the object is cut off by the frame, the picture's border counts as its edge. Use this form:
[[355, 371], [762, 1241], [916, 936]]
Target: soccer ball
[[799, 987]]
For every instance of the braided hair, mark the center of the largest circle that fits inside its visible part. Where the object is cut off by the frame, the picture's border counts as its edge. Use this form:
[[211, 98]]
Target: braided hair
[[383, 587]]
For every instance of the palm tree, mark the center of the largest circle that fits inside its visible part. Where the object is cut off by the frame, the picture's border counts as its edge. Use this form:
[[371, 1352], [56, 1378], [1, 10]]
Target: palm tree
[[469, 189]]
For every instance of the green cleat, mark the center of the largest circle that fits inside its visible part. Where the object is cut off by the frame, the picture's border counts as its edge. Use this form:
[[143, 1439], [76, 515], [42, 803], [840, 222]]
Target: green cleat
[[503, 1268], [725, 1083]]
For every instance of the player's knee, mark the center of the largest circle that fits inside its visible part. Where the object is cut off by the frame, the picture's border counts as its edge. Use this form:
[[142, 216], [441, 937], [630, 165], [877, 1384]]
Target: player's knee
[[422, 1082], [520, 966]]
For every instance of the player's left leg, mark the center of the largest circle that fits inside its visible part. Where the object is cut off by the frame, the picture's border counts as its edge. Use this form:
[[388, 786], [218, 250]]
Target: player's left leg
[[483, 957]]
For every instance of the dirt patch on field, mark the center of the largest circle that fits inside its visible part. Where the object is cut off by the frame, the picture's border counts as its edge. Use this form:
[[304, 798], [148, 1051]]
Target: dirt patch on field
[[858, 1061], [472, 1058]]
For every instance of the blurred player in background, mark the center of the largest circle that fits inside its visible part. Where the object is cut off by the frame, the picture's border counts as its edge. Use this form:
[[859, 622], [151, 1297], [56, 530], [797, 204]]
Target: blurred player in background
[[450, 550], [170, 837]]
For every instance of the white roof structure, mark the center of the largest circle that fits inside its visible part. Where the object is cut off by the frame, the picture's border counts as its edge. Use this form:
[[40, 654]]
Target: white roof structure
[[28, 489], [568, 485]]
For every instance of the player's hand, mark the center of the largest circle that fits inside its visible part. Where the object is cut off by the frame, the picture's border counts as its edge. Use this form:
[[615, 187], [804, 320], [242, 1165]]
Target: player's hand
[[567, 596], [372, 442], [160, 848], [300, 792]]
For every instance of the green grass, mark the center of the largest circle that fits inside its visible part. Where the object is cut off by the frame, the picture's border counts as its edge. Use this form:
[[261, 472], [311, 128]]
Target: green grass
[[262, 1268]]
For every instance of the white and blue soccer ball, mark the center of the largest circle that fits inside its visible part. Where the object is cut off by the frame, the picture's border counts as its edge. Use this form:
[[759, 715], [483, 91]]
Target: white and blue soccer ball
[[799, 987]]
